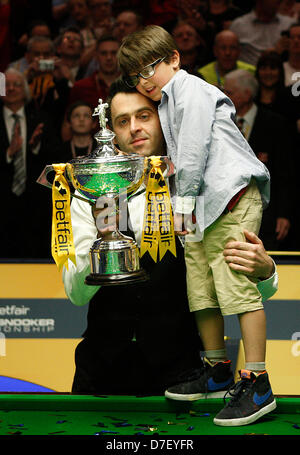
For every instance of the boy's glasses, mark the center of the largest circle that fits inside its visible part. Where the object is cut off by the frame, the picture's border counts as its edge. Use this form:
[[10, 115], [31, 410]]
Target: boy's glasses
[[147, 71]]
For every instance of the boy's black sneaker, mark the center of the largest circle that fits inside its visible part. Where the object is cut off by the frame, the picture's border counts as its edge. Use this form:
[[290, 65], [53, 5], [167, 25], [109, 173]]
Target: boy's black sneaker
[[213, 383], [252, 398]]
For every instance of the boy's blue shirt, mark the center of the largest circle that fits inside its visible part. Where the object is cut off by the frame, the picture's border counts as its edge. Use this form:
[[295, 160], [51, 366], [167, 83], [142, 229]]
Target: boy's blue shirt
[[213, 160]]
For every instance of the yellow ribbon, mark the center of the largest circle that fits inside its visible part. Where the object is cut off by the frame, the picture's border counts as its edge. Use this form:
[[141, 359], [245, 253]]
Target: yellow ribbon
[[158, 228], [62, 245]]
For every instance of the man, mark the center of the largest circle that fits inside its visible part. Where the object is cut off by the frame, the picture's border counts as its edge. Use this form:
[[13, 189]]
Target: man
[[38, 46], [132, 345], [260, 29], [69, 47], [268, 134], [27, 144], [226, 50], [36, 28]]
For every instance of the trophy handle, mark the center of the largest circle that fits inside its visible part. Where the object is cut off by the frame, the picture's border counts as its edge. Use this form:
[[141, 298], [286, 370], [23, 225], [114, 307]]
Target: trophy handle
[[43, 180]]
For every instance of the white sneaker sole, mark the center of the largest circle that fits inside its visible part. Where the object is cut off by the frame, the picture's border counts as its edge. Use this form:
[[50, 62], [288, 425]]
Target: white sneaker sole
[[246, 420], [194, 396]]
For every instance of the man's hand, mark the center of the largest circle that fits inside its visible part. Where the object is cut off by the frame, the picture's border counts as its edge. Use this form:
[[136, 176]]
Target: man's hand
[[16, 142], [36, 135], [282, 228], [249, 257]]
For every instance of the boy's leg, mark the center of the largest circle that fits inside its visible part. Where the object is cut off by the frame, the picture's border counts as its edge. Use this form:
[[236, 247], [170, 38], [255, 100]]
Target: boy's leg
[[217, 375], [253, 329], [251, 396]]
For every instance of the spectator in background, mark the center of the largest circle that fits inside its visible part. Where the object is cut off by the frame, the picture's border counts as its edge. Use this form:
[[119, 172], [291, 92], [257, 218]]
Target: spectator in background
[[269, 136], [128, 21], [69, 46], [38, 47], [27, 143], [260, 30], [80, 13], [227, 51], [192, 48], [81, 124], [272, 92], [51, 80], [36, 28]]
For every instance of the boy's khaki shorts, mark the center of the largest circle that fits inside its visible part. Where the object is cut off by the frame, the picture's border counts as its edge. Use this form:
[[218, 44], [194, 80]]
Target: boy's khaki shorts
[[210, 281]]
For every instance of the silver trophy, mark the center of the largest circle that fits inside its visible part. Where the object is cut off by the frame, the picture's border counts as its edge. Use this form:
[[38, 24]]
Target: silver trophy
[[114, 257]]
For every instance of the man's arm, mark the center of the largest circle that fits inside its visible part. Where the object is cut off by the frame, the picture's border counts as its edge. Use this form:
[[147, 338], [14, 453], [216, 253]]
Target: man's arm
[[251, 258], [84, 235]]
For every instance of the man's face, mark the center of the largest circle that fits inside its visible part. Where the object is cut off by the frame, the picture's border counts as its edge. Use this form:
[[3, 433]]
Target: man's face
[[227, 51], [136, 124], [78, 10], [239, 96], [107, 56], [15, 92], [186, 37], [125, 24], [39, 50], [71, 44]]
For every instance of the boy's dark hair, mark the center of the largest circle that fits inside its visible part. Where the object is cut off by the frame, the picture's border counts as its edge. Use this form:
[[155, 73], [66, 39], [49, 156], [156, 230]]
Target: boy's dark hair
[[74, 106], [143, 47]]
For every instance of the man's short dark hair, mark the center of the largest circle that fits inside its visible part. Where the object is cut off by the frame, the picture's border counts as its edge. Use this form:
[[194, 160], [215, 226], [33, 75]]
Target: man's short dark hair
[[118, 86]]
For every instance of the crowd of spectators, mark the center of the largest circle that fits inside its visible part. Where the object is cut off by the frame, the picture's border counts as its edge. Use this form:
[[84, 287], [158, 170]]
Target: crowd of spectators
[[60, 56]]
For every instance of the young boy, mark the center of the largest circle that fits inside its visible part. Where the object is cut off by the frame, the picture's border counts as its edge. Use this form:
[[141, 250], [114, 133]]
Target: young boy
[[219, 179]]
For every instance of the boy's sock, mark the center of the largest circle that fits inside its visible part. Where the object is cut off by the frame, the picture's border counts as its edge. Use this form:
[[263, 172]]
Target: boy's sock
[[215, 356], [256, 367]]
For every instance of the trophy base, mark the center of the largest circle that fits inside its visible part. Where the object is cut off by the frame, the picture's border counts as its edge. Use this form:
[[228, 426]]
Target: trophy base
[[95, 279]]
